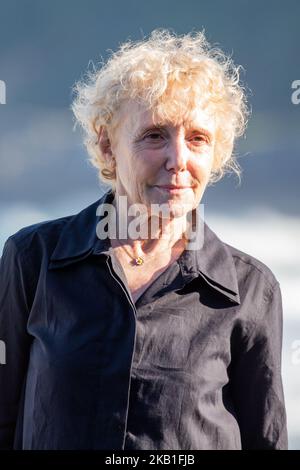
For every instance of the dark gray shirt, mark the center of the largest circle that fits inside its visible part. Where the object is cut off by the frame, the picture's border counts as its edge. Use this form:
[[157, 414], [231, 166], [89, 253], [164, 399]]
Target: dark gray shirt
[[195, 363]]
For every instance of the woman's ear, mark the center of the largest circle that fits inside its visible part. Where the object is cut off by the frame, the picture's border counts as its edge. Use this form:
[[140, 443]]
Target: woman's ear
[[105, 143]]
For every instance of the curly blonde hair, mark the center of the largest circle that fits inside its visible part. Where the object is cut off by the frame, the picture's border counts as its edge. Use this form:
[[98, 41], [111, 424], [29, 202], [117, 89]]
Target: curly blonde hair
[[171, 74]]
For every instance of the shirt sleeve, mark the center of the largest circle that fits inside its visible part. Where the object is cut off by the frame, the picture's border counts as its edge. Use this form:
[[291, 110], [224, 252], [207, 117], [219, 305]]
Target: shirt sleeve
[[257, 382], [15, 287]]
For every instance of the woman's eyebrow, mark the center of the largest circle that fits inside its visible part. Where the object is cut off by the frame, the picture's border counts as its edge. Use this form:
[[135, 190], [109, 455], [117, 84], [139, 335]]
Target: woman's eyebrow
[[152, 126], [194, 127]]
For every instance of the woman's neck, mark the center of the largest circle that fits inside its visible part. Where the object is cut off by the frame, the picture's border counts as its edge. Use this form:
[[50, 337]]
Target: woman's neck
[[150, 234]]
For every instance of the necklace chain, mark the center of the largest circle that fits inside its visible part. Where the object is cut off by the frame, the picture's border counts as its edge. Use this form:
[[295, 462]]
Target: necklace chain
[[138, 261]]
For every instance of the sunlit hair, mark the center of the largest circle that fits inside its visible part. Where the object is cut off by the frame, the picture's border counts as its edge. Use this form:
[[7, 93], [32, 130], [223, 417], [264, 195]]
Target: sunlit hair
[[171, 75]]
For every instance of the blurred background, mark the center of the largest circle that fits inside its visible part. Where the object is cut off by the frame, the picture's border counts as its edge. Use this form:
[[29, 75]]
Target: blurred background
[[46, 46]]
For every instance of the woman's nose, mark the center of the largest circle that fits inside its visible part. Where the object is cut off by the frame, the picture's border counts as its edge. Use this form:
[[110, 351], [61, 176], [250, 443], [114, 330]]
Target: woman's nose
[[177, 153]]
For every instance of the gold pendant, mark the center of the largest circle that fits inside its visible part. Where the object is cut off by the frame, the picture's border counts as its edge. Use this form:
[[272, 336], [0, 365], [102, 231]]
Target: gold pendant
[[139, 261]]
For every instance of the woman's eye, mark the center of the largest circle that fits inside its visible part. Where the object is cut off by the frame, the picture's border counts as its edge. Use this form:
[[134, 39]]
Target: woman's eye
[[199, 138], [154, 135]]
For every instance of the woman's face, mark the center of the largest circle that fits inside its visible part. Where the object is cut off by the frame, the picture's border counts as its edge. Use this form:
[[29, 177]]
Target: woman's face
[[151, 159]]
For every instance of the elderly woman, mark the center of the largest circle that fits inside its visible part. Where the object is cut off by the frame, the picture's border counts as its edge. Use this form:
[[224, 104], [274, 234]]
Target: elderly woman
[[120, 331]]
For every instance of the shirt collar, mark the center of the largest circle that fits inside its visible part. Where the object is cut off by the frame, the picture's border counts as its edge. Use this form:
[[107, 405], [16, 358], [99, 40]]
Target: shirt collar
[[213, 261]]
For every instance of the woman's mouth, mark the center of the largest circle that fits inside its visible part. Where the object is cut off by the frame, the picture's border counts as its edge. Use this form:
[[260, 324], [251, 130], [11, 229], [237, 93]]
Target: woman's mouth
[[173, 189]]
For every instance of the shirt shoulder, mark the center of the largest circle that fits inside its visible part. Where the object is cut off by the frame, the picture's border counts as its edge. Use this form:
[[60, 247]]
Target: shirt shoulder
[[36, 238], [24, 256], [252, 270]]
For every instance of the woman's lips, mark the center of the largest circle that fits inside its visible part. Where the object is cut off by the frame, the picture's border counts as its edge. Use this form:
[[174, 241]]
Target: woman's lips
[[174, 189]]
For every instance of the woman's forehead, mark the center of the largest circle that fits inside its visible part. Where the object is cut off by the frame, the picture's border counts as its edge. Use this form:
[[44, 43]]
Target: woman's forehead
[[138, 115]]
